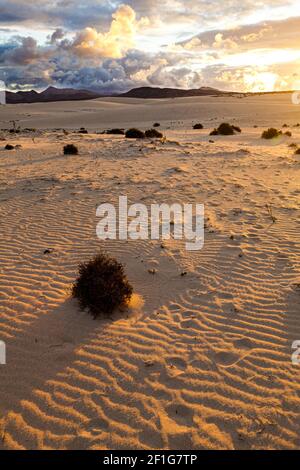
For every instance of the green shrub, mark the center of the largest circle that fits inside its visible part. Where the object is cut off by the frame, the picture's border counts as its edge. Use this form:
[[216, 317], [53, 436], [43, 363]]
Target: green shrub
[[102, 285]]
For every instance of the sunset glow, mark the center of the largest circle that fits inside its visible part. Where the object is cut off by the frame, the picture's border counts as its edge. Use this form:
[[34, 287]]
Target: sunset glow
[[112, 47]]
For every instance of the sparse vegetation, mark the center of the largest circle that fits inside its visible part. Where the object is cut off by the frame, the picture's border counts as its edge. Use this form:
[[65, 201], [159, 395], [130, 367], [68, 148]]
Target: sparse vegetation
[[156, 124], [102, 285], [82, 131], [9, 147], [134, 134], [153, 134], [70, 149], [271, 133], [115, 131], [198, 126], [15, 129], [288, 134], [293, 145], [226, 129], [297, 151]]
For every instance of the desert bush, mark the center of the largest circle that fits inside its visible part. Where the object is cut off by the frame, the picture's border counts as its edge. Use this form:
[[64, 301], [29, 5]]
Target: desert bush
[[153, 134], [226, 129], [82, 131], [70, 149], [297, 152], [115, 131], [29, 129], [271, 133], [102, 285], [156, 124], [9, 147], [288, 134], [134, 134], [293, 145], [198, 126]]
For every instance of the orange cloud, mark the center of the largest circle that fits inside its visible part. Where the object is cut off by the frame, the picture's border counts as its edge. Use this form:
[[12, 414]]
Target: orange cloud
[[116, 42]]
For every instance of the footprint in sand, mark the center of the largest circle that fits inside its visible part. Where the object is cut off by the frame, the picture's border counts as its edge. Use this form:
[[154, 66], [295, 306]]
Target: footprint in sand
[[176, 361], [180, 413]]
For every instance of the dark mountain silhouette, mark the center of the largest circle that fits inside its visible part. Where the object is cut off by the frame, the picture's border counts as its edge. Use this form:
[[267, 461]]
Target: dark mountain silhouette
[[158, 93], [51, 94]]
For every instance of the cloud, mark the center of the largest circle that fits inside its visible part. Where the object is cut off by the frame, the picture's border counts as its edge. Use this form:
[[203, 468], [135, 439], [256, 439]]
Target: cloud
[[109, 54], [56, 36], [119, 39]]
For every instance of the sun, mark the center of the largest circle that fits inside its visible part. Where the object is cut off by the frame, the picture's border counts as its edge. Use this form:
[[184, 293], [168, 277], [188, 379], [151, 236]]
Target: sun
[[261, 81]]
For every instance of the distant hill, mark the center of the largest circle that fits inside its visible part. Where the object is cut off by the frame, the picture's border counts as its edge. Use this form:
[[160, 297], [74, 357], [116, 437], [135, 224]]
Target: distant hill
[[159, 93], [70, 94], [51, 94]]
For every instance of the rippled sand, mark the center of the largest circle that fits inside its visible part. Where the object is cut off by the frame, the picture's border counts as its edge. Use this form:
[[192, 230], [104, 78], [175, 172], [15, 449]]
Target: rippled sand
[[201, 361]]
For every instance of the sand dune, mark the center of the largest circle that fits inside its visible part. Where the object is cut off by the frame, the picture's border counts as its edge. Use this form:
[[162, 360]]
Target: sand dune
[[109, 112], [201, 361]]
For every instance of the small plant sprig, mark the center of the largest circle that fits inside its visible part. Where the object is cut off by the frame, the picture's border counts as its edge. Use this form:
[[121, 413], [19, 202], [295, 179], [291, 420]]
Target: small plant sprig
[[270, 212]]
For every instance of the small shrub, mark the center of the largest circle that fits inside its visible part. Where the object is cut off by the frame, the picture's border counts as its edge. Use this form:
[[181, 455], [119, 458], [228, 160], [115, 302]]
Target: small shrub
[[134, 134], [29, 129], [288, 134], [226, 129], [102, 285], [156, 124], [293, 146], [153, 134], [70, 149], [82, 131], [198, 126], [9, 147], [297, 152], [115, 131], [271, 133]]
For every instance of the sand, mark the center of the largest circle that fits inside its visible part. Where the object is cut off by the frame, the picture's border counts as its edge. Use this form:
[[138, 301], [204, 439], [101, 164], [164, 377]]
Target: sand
[[201, 361]]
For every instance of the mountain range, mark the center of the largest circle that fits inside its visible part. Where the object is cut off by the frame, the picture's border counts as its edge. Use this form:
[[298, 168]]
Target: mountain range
[[70, 94], [50, 94], [160, 93]]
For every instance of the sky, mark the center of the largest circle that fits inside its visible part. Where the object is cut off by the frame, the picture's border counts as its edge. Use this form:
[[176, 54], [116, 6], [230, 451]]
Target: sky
[[110, 46]]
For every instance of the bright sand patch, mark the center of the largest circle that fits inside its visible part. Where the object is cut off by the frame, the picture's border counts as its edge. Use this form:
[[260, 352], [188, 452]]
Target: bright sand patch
[[199, 361]]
